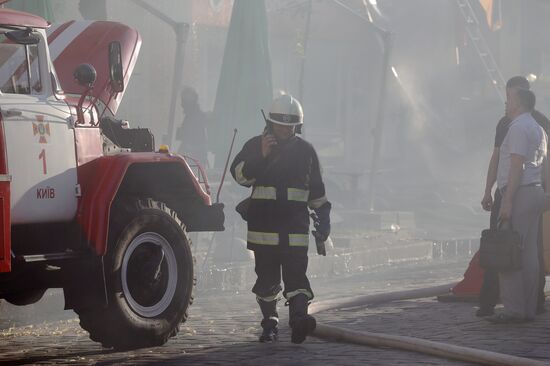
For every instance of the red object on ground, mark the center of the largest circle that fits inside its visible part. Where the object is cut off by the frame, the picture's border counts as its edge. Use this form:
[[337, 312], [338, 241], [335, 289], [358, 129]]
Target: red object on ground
[[473, 278]]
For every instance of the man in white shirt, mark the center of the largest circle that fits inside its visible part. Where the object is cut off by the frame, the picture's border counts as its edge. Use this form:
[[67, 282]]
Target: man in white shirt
[[519, 179]]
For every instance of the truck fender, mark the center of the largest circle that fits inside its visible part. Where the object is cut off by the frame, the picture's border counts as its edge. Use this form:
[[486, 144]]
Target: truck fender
[[103, 178]]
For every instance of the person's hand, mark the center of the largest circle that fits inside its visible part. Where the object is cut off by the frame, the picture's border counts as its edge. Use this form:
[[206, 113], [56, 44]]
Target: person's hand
[[505, 213], [487, 202], [321, 233], [321, 222], [268, 141]]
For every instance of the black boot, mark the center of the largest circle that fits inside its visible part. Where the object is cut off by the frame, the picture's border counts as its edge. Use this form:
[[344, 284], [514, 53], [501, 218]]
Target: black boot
[[300, 322], [270, 332], [270, 321]]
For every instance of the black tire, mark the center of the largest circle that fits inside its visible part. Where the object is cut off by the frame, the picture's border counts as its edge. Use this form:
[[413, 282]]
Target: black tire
[[149, 278], [26, 297]]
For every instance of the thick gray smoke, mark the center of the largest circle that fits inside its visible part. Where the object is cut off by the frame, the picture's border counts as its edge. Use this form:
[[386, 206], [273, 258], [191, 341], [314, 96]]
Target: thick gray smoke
[[439, 109]]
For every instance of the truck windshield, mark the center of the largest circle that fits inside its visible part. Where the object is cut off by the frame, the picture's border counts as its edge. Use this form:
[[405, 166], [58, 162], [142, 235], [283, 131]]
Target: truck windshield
[[19, 68]]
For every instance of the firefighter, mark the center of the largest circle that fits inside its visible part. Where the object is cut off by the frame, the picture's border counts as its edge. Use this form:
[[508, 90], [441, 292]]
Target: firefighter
[[284, 173]]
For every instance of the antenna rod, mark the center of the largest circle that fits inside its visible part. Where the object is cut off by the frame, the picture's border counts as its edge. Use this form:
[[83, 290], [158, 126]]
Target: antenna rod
[[226, 163]]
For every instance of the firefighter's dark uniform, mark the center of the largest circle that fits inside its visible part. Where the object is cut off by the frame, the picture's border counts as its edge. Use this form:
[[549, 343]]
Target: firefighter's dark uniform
[[283, 185]]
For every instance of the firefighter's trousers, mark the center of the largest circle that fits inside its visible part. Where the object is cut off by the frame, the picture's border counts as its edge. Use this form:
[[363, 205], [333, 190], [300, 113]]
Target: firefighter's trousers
[[271, 262]]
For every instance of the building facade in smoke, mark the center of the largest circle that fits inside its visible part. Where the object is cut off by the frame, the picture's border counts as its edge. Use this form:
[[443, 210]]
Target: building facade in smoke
[[93, 10], [333, 61], [41, 8]]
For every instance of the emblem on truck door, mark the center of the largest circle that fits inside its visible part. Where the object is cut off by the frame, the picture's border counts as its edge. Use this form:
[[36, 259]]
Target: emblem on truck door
[[41, 129]]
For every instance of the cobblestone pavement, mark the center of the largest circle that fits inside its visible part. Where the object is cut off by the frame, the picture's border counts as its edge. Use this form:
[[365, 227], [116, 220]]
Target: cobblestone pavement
[[223, 329]]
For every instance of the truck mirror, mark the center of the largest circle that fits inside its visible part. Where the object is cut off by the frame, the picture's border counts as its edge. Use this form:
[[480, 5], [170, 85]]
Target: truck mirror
[[24, 36], [116, 74], [85, 75]]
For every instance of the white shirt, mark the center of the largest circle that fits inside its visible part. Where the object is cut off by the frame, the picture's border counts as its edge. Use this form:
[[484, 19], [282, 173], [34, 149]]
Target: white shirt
[[525, 137]]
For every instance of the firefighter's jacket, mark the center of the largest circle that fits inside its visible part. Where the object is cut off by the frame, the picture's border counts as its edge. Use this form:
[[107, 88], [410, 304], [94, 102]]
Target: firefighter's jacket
[[283, 186]]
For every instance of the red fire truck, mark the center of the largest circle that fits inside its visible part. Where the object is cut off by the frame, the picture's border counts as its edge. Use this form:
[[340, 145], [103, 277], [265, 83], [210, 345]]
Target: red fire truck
[[86, 204]]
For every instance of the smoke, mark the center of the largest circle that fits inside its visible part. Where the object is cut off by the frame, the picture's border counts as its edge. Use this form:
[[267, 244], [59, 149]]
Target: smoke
[[438, 122]]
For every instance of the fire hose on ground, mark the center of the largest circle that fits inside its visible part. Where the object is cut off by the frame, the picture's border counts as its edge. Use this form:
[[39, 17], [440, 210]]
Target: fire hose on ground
[[433, 348]]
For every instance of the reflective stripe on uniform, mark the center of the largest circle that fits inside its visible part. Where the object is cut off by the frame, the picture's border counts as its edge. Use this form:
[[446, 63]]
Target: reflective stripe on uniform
[[274, 318], [239, 176], [291, 294], [295, 194], [298, 240], [264, 193], [268, 298], [318, 202], [262, 238]]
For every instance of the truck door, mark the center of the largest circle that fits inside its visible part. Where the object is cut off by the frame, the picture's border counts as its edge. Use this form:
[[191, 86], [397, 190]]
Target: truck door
[[39, 136]]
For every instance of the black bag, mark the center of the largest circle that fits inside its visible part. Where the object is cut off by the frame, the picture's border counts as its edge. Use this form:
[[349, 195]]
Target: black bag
[[242, 208], [500, 250]]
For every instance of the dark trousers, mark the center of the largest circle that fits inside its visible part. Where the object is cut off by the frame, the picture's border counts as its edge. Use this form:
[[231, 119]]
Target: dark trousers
[[271, 261], [489, 293]]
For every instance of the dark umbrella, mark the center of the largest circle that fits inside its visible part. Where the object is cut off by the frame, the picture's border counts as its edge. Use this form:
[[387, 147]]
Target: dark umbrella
[[245, 81]]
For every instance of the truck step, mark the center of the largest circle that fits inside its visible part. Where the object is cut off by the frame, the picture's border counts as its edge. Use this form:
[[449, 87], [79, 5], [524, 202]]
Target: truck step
[[49, 257]]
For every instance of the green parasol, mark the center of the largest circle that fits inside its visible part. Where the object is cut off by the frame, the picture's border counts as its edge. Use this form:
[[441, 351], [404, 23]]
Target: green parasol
[[245, 83]]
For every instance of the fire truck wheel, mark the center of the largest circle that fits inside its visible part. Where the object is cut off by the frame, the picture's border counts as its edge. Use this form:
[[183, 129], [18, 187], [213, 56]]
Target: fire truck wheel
[[149, 278]]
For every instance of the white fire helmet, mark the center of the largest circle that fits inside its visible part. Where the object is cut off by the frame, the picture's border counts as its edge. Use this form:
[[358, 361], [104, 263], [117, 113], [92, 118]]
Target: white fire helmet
[[286, 110]]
